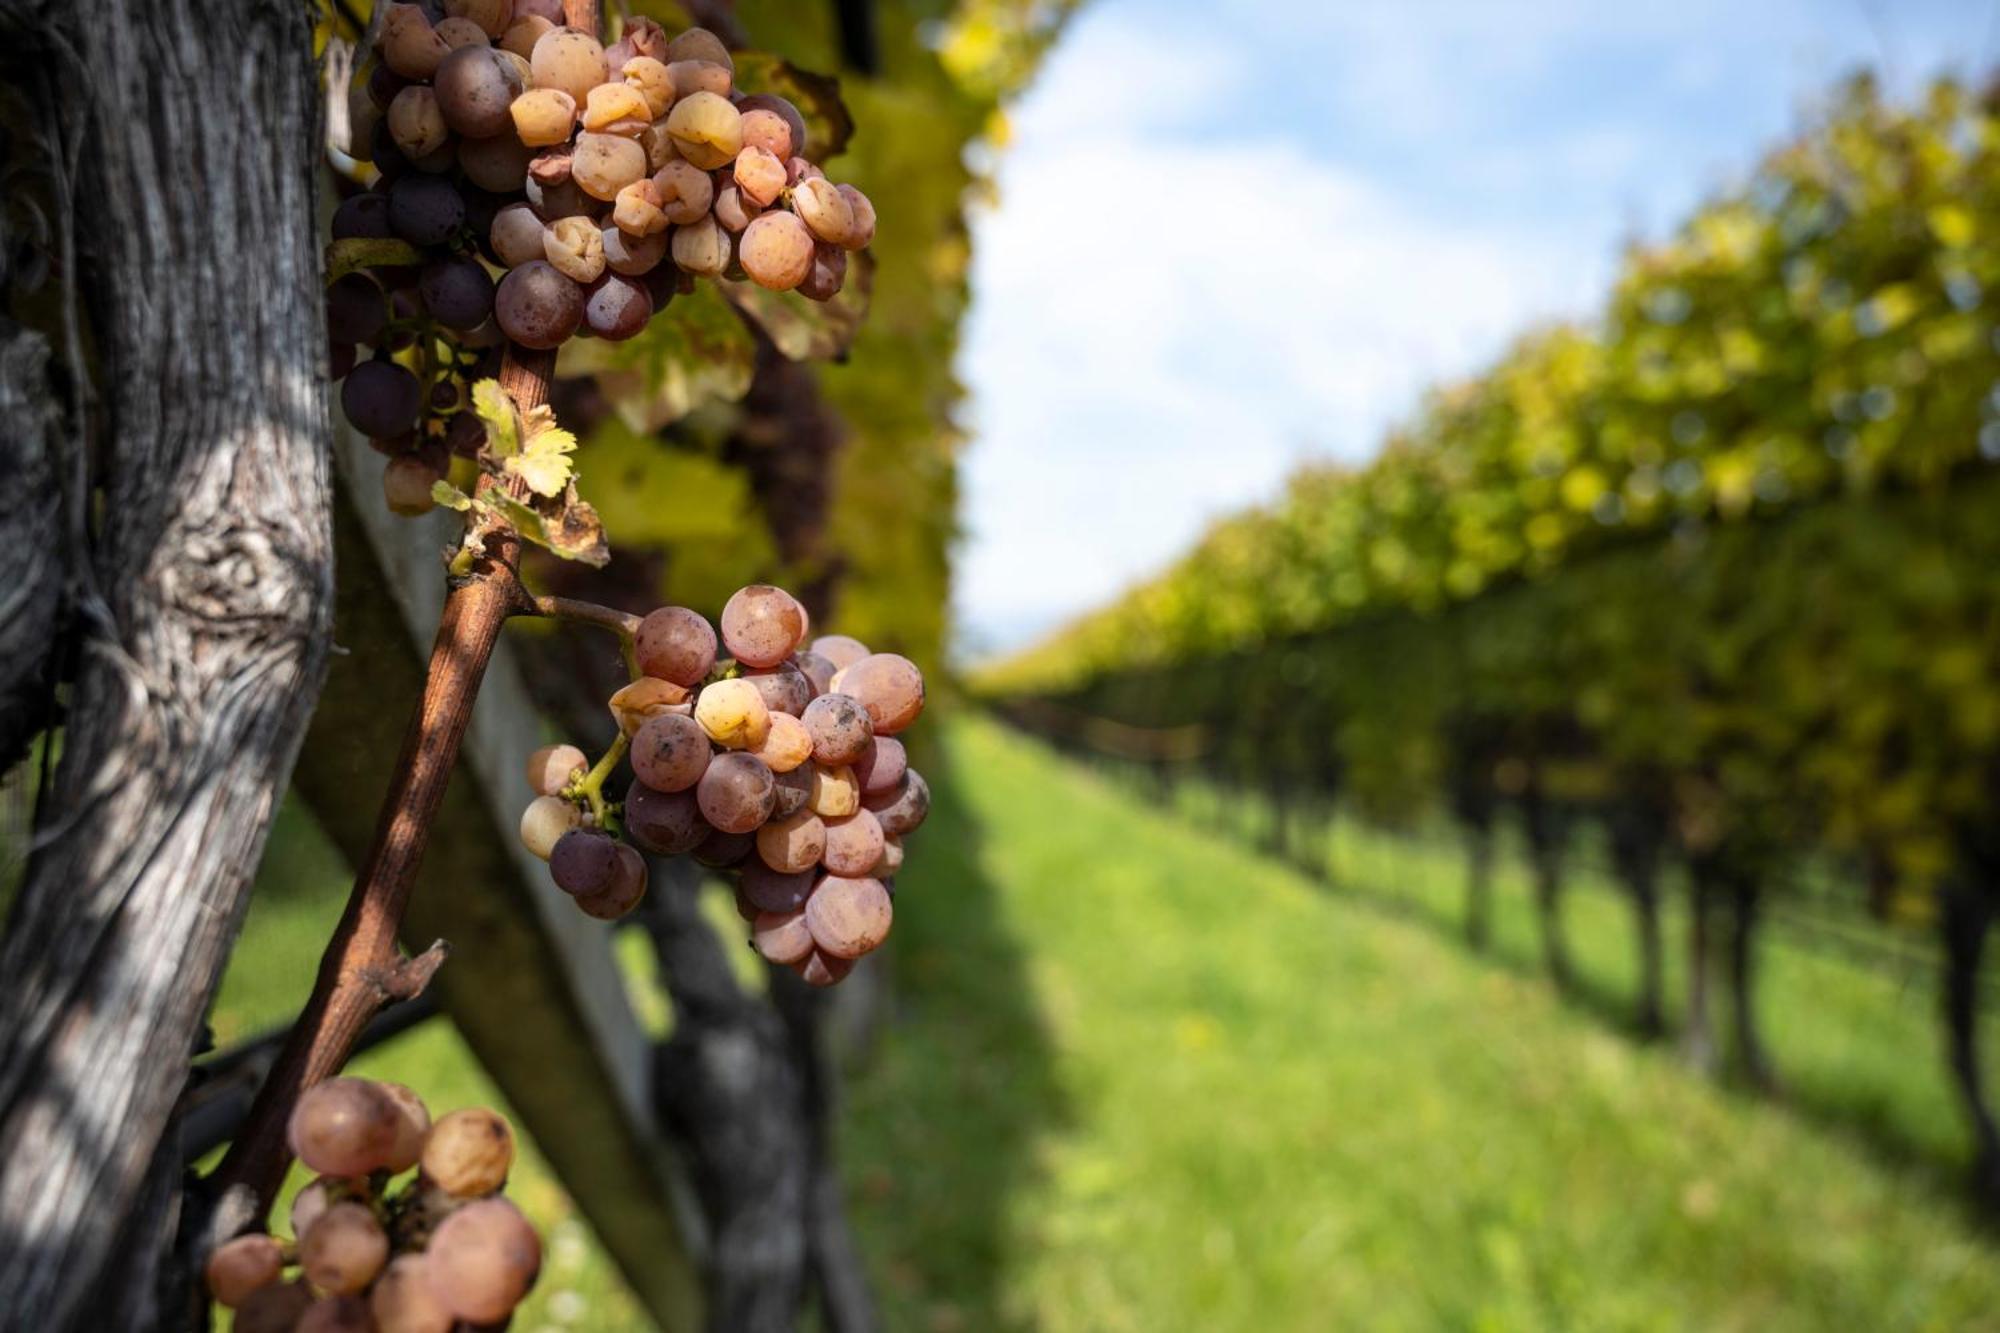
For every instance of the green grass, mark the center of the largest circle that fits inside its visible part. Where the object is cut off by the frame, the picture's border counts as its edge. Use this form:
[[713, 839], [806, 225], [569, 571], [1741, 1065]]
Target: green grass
[[1143, 1079]]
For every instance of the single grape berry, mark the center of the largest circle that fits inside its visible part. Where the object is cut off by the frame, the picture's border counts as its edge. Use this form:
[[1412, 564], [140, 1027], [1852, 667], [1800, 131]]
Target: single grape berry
[[889, 687], [881, 766], [401, 1300], [736, 792], [853, 844], [583, 861], [903, 807], [345, 1249], [537, 306], [412, 1124], [482, 1260], [457, 292], [425, 209], [840, 649], [823, 968], [469, 1152], [381, 399], [733, 714], [241, 1266], [625, 892], [762, 624], [544, 823], [676, 644], [664, 823], [553, 767], [792, 844], [344, 1127], [787, 745], [784, 688], [848, 917], [840, 728], [782, 938], [670, 753]]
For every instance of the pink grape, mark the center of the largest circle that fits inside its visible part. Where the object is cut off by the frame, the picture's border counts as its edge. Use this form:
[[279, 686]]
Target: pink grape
[[840, 649], [736, 793], [344, 1250], [903, 807], [848, 917], [583, 862], [823, 969], [889, 687], [537, 306], [664, 823], [881, 766], [777, 251], [782, 938], [344, 1127], [241, 1266], [670, 753], [402, 1301], [469, 1152], [840, 728], [784, 688], [551, 768], [412, 1124], [482, 1260], [853, 844], [676, 644], [793, 844], [762, 624]]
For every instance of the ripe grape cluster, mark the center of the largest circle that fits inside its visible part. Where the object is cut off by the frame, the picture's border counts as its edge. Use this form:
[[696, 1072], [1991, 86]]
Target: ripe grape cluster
[[779, 764], [554, 187], [441, 1252]]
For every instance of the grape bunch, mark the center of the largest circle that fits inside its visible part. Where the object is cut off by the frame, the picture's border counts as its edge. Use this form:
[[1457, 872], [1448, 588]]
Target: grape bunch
[[440, 1252], [778, 764], [552, 187]]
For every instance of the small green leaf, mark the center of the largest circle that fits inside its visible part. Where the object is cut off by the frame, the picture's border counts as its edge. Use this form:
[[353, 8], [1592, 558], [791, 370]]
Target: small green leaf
[[448, 495], [356, 252], [503, 423], [545, 463]]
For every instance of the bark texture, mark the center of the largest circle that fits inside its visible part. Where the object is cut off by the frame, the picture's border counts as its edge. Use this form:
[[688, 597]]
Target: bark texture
[[191, 130], [30, 533]]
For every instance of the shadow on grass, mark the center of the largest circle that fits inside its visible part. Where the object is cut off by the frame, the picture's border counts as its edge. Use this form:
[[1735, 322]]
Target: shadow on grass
[[942, 1126], [1857, 1114]]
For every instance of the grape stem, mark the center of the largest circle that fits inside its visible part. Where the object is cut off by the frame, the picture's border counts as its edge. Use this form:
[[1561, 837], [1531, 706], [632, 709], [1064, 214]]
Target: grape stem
[[590, 787]]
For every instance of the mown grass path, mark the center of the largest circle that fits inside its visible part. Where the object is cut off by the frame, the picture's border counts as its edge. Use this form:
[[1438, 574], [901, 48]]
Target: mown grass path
[[1142, 1079]]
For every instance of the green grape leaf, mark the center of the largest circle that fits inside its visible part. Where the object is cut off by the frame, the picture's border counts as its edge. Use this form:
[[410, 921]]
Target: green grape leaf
[[503, 423], [806, 330], [545, 463], [571, 531], [358, 252], [829, 124], [450, 497]]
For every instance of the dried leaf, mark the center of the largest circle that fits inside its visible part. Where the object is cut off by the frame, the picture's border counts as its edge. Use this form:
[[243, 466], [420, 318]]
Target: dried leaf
[[358, 252]]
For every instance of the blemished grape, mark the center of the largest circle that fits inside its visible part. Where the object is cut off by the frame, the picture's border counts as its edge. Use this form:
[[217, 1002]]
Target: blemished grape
[[616, 307], [425, 210], [571, 61], [492, 16], [840, 650], [523, 33], [543, 117], [676, 644], [616, 108], [821, 206], [482, 1260], [459, 34], [737, 791], [413, 1121], [901, 809], [273, 1309], [777, 251], [499, 163], [785, 111], [645, 698], [344, 1127], [670, 753], [787, 746], [853, 844], [664, 823], [470, 1151], [889, 686], [706, 129], [817, 670], [640, 209], [759, 173], [582, 862], [840, 728], [834, 791], [537, 306], [765, 129], [407, 480], [784, 687], [652, 81], [344, 1249], [576, 247], [782, 938], [553, 202], [720, 850], [700, 44], [408, 43], [733, 212], [881, 766], [798, 169], [240, 1266], [701, 76], [891, 862], [416, 122], [457, 292], [364, 214], [824, 969], [848, 917], [545, 821], [703, 248], [626, 890], [356, 309], [793, 844], [686, 192], [634, 256], [604, 164], [828, 275], [862, 233], [401, 1300], [733, 714], [476, 86], [774, 890], [762, 624], [795, 787], [554, 767], [516, 235]]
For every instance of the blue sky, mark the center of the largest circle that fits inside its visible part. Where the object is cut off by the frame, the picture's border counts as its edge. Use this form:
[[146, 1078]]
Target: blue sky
[[1223, 247]]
